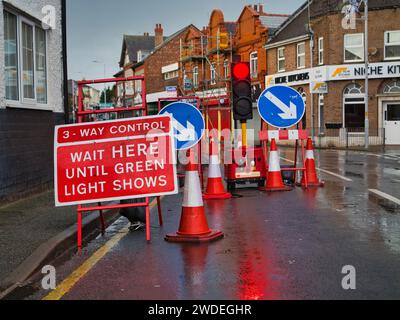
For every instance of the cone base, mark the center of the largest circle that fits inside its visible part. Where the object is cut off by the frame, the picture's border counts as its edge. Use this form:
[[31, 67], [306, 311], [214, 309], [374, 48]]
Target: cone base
[[278, 189], [220, 196], [213, 235], [312, 184]]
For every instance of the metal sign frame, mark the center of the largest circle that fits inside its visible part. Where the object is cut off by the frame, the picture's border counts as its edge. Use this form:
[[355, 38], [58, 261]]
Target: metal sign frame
[[80, 114]]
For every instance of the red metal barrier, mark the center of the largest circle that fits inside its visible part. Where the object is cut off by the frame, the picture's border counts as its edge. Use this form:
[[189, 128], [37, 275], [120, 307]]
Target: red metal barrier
[[81, 113]]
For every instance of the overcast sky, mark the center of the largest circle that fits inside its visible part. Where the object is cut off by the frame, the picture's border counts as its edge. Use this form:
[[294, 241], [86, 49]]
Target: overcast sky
[[95, 27]]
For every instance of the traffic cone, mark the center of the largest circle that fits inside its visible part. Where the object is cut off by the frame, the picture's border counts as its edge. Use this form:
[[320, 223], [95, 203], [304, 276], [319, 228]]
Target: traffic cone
[[274, 178], [193, 226], [215, 185], [311, 172]]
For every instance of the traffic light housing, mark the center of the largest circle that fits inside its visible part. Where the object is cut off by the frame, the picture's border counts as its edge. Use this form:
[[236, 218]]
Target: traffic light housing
[[224, 40], [242, 94]]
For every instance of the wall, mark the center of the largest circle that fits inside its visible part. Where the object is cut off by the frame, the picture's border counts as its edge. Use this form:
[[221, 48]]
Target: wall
[[26, 136], [26, 160], [168, 54]]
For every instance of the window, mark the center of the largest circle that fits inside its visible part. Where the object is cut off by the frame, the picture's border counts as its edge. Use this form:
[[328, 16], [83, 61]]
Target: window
[[41, 72], [301, 55], [281, 59], [196, 77], [254, 64], [354, 47], [171, 75], [392, 87], [11, 56], [393, 112], [321, 51], [226, 69], [213, 73], [354, 107], [25, 60], [392, 45]]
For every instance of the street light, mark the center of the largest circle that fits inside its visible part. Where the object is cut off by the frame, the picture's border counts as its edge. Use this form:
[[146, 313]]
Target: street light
[[105, 88]]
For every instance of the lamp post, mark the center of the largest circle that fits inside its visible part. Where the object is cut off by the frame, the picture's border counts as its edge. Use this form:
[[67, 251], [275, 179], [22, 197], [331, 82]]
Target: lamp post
[[105, 88], [366, 75]]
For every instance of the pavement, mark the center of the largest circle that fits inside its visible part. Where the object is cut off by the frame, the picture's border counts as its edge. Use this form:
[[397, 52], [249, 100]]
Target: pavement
[[33, 231], [288, 245]]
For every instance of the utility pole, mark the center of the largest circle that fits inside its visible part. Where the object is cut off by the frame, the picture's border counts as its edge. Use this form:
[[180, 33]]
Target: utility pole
[[366, 75], [311, 66]]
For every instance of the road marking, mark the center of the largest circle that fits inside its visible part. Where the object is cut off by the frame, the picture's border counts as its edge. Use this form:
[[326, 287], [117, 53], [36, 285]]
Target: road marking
[[325, 171], [385, 196], [64, 287]]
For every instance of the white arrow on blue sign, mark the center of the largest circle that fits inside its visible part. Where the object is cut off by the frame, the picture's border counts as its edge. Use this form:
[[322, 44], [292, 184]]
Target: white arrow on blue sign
[[281, 106], [188, 123]]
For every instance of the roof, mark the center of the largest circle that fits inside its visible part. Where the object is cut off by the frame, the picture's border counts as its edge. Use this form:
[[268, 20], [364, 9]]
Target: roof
[[134, 44], [231, 27], [166, 41], [273, 21], [294, 26]]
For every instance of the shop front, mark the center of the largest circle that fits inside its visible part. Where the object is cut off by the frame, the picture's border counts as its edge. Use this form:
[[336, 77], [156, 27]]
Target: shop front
[[339, 101]]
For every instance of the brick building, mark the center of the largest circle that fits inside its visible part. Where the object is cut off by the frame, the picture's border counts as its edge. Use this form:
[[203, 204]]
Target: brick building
[[135, 48], [336, 69], [157, 58], [33, 90]]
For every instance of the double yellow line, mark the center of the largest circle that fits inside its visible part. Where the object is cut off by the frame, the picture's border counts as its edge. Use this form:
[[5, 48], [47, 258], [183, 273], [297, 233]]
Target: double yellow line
[[64, 287]]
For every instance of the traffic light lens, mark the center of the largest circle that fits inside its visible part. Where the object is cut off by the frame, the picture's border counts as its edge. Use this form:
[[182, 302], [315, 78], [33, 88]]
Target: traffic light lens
[[241, 70], [244, 107], [242, 88]]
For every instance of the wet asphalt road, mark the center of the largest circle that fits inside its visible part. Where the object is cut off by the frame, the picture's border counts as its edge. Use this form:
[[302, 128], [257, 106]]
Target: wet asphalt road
[[289, 245]]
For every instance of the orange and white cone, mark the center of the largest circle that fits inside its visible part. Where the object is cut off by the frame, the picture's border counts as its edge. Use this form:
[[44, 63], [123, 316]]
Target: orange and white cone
[[311, 172], [215, 185], [193, 225], [274, 178]]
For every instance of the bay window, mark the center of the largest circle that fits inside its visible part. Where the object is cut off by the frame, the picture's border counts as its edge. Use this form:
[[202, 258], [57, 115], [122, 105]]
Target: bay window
[[25, 61]]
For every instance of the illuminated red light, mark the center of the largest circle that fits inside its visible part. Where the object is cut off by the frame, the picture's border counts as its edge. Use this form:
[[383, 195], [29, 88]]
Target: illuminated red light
[[241, 70]]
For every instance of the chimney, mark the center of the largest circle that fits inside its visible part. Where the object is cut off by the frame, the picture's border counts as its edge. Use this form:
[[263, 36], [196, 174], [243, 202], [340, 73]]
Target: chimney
[[255, 7], [261, 8], [159, 35]]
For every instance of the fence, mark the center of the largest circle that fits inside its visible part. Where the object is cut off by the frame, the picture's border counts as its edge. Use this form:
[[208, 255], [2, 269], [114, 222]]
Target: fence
[[348, 137]]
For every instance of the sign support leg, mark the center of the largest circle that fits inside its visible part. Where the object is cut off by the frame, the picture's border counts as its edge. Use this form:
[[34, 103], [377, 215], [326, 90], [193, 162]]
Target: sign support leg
[[147, 220], [103, 224], [79, 231], [160, 217]]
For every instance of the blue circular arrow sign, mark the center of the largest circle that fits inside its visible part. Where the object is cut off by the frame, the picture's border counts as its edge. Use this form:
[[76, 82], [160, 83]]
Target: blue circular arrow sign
[[188, 124], [281, 106]]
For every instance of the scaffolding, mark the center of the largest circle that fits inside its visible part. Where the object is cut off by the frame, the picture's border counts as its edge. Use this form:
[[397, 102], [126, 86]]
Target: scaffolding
[[214, 91]]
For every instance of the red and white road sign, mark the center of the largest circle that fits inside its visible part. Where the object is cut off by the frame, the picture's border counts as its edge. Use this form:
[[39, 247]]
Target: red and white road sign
[[114, 160]]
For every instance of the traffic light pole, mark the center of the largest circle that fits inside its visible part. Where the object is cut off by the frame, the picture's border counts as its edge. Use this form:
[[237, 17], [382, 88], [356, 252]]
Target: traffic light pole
[[366, 75], [244, 134]]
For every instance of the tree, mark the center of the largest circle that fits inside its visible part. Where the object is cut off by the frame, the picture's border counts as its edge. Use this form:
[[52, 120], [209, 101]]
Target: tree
[[110, 95]]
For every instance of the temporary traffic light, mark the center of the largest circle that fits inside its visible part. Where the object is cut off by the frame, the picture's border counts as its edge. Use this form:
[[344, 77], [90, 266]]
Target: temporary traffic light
[[224, 40], [241, 87]]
